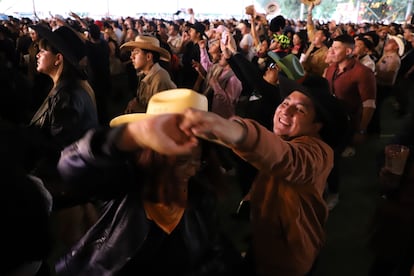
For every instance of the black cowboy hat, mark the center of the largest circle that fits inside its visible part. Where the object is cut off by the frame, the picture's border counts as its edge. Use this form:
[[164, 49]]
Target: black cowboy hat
[[329, 110], [6, 31], [199, 27], [66, 41]]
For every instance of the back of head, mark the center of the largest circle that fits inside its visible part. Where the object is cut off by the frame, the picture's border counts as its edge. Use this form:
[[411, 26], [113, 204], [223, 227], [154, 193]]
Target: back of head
[[277, 24], [94, 31]]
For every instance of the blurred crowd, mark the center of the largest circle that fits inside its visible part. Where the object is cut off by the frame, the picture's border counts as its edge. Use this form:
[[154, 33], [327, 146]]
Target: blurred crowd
[[64, 78]]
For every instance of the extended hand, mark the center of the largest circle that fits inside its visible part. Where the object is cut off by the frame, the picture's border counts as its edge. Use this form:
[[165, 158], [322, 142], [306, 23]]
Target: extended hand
[[160, 133], [212, 127]]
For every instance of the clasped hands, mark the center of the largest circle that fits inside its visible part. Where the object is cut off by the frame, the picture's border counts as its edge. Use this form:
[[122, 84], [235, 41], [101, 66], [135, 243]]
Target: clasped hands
[[178, 134]]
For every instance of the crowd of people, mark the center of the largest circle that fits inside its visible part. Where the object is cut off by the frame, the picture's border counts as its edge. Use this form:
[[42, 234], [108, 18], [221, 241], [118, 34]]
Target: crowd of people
[[261, 100]]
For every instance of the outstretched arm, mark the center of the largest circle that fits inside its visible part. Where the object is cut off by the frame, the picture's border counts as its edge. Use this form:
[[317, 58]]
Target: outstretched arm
[[159, 133]]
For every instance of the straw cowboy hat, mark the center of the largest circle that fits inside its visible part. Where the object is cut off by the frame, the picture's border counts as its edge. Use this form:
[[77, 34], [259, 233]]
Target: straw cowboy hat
[[290, 65], [66, 41], [149, 43], [399, 42], [329, 110], [309, 2], [169, 101]]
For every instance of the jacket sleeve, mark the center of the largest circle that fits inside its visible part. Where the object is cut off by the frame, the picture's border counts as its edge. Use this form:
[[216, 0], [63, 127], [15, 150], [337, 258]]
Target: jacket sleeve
[[269, 152], [245, 71], [73, 114], [92, 165]]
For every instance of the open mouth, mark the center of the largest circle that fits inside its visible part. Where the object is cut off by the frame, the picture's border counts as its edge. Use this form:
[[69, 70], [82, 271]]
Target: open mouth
[[284, 123]]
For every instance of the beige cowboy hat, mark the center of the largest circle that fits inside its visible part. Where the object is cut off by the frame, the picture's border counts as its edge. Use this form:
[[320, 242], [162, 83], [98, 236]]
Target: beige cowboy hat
[[399, 42], [169, 101], [308, 2], [149, 43]]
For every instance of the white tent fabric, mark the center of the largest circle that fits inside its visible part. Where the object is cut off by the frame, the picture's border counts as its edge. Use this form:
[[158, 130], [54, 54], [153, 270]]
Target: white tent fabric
[[99, 8]]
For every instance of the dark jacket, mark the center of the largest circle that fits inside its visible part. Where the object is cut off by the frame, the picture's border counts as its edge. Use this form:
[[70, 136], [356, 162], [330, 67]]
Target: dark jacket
[[262, 97], [64, 117], [123, 239]]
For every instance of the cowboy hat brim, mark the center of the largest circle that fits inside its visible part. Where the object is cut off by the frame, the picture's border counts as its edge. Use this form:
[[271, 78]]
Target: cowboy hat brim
[[299, 72], [399, 42], [128, 118], [166, 102], [131, 45], [309, 2], [55, 40]]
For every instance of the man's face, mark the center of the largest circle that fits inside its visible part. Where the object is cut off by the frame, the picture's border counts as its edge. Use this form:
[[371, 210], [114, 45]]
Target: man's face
[[382, 34], [295, 116], [340, 51], [319, 37], [193, 34], [264, 47], [139, 59], [360, 48], [407, 34], [391, 46]]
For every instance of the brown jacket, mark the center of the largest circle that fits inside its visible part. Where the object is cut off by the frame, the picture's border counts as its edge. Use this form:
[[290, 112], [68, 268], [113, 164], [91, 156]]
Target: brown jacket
[[288, 211], [157, 80], [315, 62]]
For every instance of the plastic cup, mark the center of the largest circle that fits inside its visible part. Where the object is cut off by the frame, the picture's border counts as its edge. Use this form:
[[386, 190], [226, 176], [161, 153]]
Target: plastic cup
[[395, 158]]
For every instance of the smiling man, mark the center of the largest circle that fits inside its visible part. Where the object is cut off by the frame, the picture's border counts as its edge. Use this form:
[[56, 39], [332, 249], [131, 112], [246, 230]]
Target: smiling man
[[288, 212]]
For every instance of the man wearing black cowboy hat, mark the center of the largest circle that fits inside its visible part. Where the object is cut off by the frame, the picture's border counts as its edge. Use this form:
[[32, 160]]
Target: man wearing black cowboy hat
[[288, 211]]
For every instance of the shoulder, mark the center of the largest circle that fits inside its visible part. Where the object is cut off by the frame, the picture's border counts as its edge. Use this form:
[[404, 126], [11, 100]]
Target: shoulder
[[314, 146], [360, 70]]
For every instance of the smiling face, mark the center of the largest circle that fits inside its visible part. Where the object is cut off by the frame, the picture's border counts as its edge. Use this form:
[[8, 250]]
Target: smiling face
[[295, 116]]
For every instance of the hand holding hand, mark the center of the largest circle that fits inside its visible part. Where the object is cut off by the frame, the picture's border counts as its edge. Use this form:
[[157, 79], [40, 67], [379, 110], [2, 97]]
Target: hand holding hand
[[160, 133], [212, 127]]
